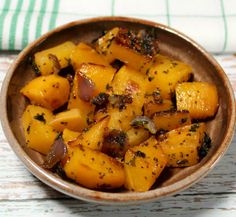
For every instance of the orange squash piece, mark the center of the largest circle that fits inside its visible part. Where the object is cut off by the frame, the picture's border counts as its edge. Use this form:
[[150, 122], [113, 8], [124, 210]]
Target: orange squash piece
[[143, 164], [71, 119], [51, 60], [83, 53], [50, 91], [124, 45], [39, 135], [165, 74], [94, 169], [169, 120], [181, 145], [199, 98]]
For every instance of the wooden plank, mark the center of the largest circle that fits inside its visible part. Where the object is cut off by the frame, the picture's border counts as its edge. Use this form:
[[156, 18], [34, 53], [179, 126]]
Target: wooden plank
[[179, 206]]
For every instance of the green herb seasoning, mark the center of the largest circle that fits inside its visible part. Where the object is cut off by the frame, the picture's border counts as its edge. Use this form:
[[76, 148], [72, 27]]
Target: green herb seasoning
[[150, 78], [183, 120], [35, 68], [40, 117], [140, 154], [194, 128], [205, 147]]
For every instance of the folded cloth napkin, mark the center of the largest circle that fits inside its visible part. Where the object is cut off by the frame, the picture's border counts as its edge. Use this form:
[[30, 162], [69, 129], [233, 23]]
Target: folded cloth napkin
[[212, 23]]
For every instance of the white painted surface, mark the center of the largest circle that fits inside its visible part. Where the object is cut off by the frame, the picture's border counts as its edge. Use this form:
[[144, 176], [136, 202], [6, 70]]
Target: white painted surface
[[21, 194]]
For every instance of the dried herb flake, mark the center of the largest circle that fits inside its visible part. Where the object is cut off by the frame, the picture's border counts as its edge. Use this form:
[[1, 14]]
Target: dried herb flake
[[40, 117], [140, 154]]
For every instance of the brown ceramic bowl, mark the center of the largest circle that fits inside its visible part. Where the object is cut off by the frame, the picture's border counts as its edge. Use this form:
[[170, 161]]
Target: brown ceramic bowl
[[172, 43]]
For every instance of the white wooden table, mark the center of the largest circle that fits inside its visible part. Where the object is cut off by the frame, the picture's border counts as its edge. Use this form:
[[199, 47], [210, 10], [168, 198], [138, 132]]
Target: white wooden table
[[21, 194]]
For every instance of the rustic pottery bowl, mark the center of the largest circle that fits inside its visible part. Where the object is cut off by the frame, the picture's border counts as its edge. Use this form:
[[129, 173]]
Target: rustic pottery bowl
[[172, 43]]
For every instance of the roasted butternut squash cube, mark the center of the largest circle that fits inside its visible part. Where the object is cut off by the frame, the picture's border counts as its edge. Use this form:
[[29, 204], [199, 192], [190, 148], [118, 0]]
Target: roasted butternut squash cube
[[128, 92], [152, 107], [99, 115], [199, 98], [100, 75], [129, 81], [92, 137], [143, 164], [94, 169], [126, 46], [120, 119], [50, 91], [181, 145], [71, 119], [136, 136], [83, 53], [104, 42], [51, 60], [169, 120], [69, 135], [130, 57], [39, 135], [165, 74]]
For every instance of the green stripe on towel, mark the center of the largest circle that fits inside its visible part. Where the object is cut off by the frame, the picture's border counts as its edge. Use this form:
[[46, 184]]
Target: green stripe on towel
[[112, 7], [26, 26], [13, 25], [40, 18], [2, 18], [54, 14], [168, 12], [225, 25]]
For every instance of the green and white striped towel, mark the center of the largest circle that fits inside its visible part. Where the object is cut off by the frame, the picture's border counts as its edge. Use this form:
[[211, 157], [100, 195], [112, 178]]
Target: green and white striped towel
[[212, 23]]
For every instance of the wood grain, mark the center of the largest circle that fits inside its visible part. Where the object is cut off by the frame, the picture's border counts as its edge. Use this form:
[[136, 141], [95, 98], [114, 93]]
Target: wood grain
[[22, 194], [201, 206]]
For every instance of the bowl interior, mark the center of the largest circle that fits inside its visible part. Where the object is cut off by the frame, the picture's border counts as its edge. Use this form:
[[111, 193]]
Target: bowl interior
[[170, 43]]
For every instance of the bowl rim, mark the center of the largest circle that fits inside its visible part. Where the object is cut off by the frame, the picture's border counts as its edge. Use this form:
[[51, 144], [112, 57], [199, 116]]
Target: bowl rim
[[106, 197]]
